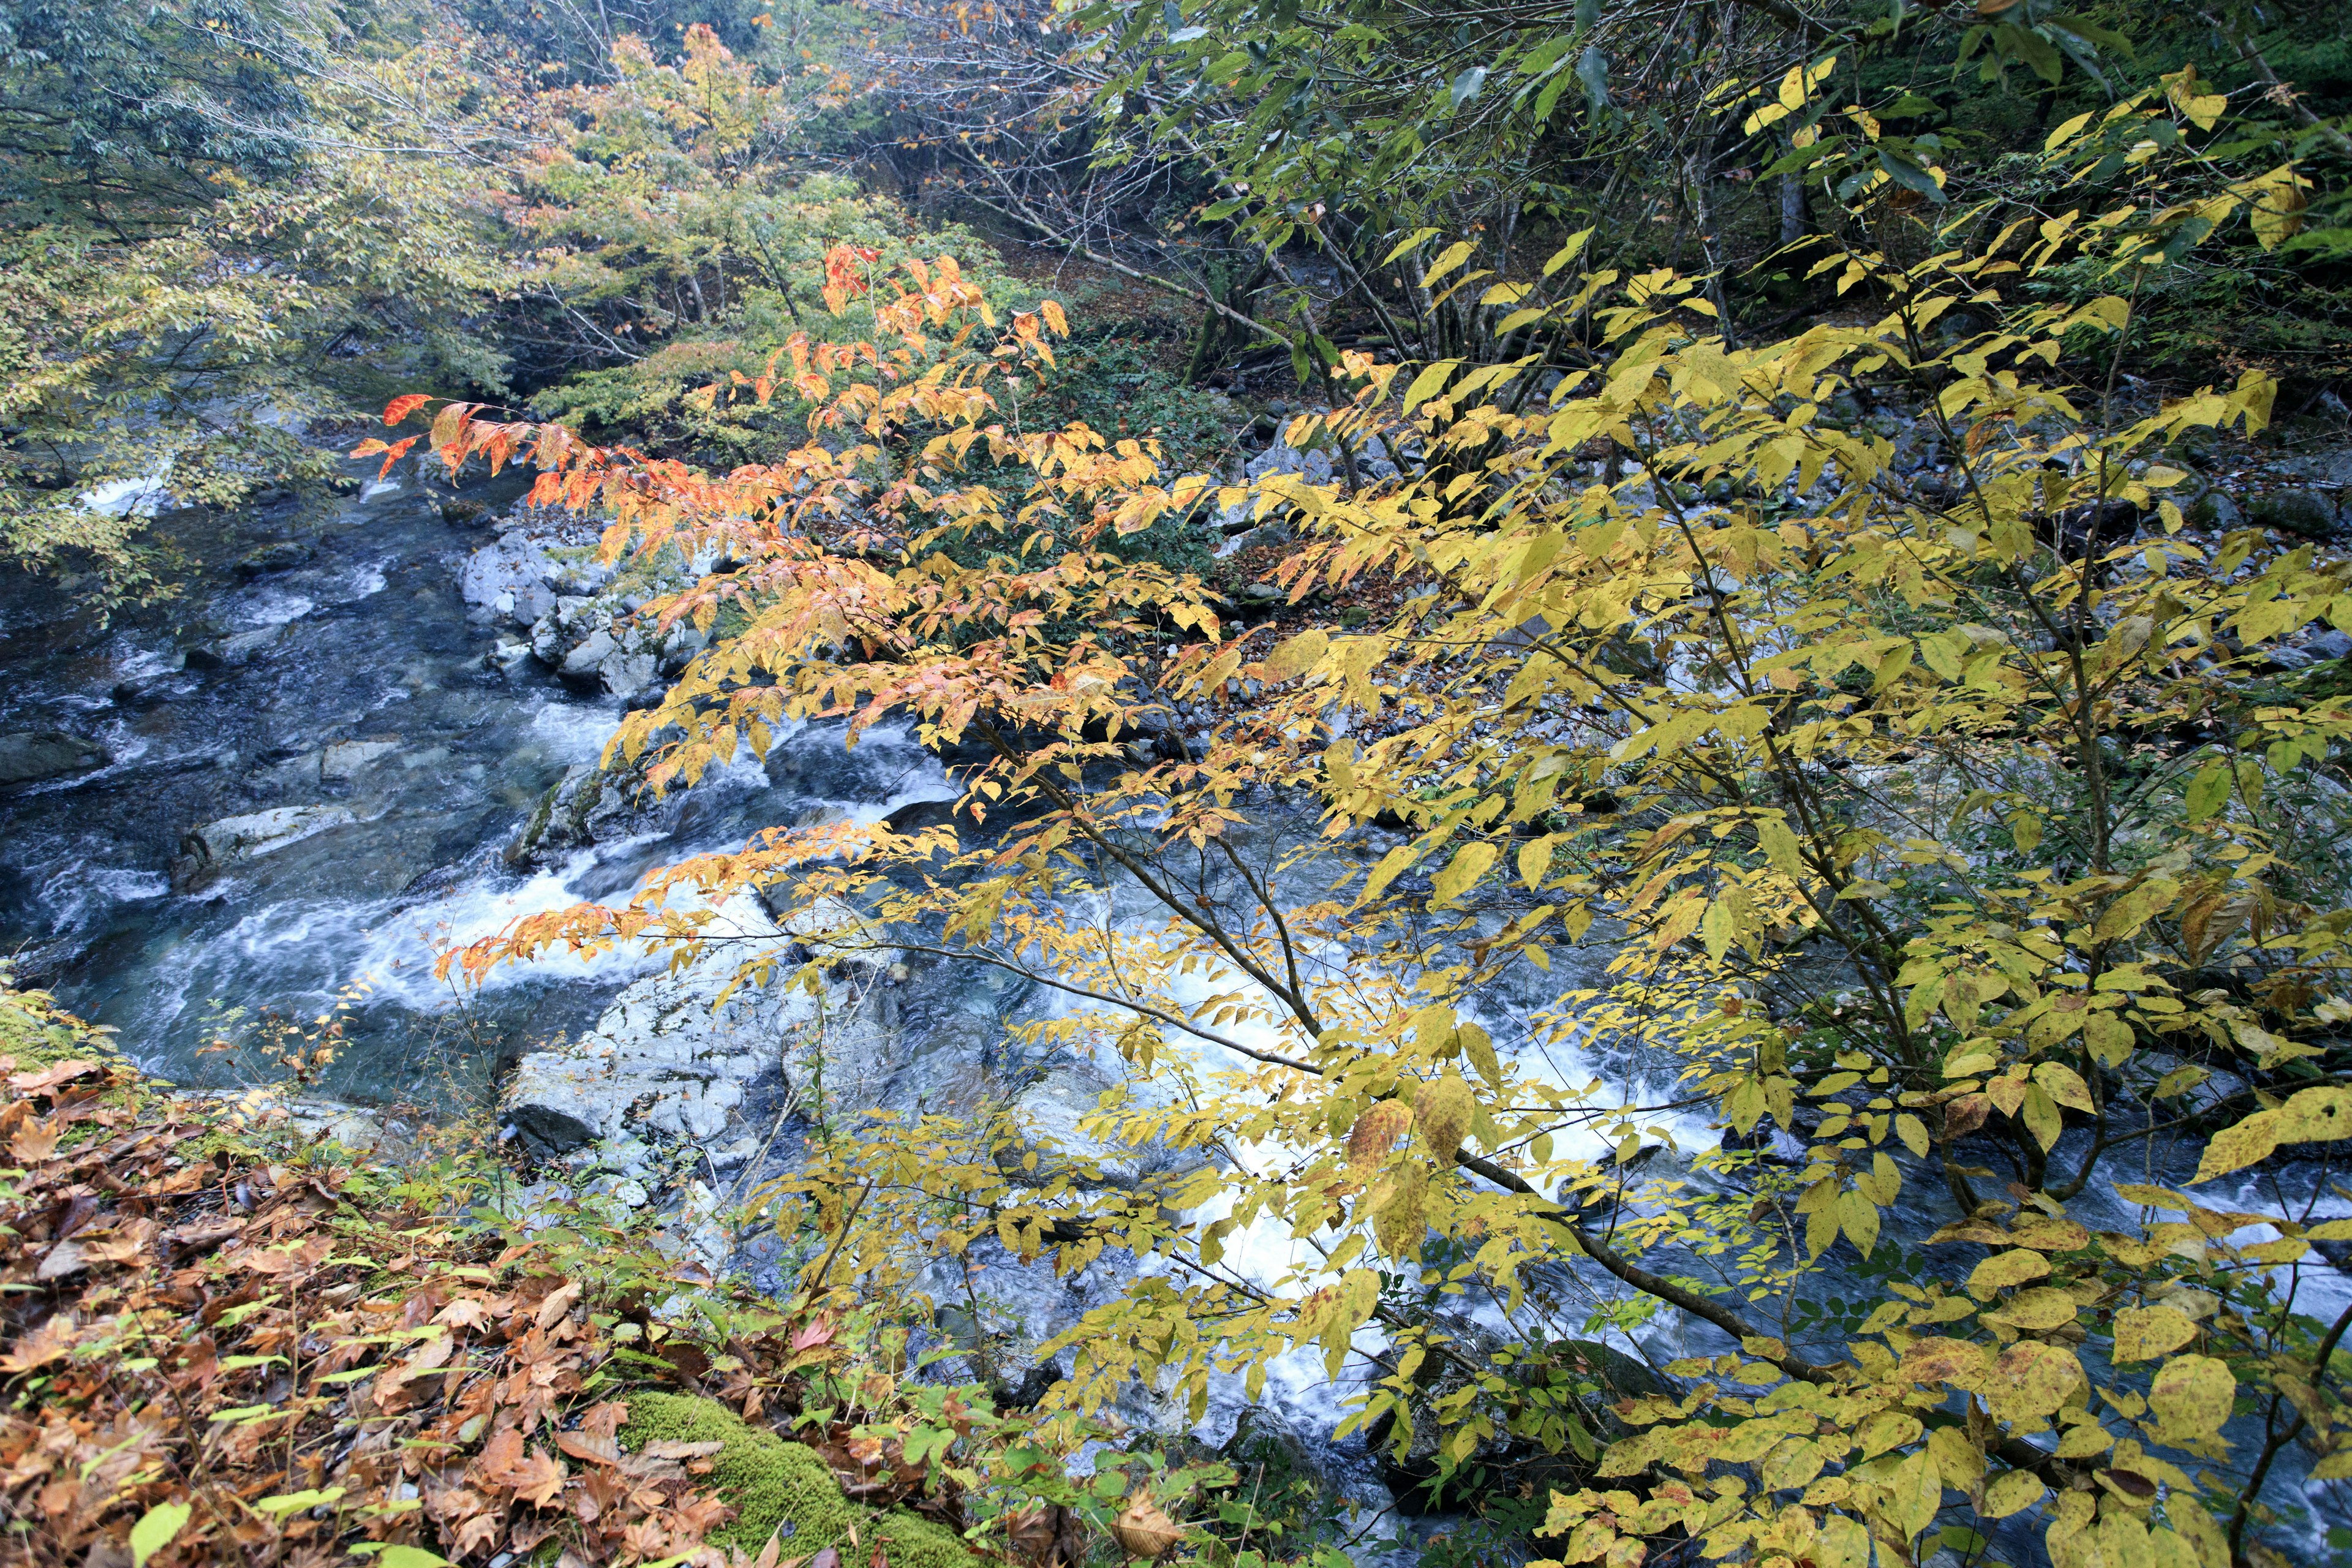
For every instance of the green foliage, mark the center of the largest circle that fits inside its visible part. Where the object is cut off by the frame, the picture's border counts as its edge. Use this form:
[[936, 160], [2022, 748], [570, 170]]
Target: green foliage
[[203, 253]]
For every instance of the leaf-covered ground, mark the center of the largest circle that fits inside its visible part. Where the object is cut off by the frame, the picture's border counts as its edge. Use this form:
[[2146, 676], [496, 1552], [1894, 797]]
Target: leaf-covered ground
[[219, 1345]]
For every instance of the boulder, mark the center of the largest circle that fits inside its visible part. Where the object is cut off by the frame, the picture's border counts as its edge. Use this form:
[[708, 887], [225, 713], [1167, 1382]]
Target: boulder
[[668, 1056], [588, 804], [231, 652], [29, 755], [346, 758], [282, 556], [207, 851], [509, 578], [2306, 513]]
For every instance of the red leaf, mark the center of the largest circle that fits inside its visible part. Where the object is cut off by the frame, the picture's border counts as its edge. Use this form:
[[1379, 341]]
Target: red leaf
[[406, 404]]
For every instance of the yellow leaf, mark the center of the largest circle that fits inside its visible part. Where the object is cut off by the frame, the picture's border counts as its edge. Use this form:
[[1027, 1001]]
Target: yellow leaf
[[2012, 1493], [2192, 1396], [2005, 1268], [1443, 1110], [1914, 1133], [2234, 1148], [1469, 864], [1718, 927], [1858, 1217], [1426, 384], [1451, 257], [1377, 1132], [1792, 1464], [2143, 1333], [1296, 657]]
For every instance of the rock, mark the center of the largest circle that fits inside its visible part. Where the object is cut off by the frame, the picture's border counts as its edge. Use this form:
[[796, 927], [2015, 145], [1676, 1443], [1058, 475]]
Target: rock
[[505, 654], [2308, 514], [346, 758], [620, 663], [145, 690], [282, 556], [510, 577], [918, 814], [665, 1056], [232, 652], [2330, 644], [464, 513], [586, 805], [207, 851], [29, 755], [2213, 509], [584, 665]]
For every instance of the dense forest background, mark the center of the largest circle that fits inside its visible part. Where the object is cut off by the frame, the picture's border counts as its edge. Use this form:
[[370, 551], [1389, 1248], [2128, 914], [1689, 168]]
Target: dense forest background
[[223, 221]]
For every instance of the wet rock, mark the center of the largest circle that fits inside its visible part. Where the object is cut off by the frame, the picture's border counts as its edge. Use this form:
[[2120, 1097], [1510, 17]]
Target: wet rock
[[464, 513], [918, 814], [344, 759], [588, 804], [232, 652], [145, 690], [2306, 513], [667, 1056], [282, 556], [208, 851], [30, 755]]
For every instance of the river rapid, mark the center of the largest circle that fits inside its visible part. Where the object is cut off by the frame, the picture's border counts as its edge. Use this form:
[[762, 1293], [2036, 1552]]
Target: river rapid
[[321, 656]]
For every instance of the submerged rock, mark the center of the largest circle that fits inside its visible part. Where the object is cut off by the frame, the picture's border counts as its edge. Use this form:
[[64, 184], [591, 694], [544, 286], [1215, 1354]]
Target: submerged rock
[[282, 556], [207, 851], [346, 758], [28, 756], [231, 652]]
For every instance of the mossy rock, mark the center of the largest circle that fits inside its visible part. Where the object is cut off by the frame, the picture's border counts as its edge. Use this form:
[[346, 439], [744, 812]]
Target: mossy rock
[[771, 1482]]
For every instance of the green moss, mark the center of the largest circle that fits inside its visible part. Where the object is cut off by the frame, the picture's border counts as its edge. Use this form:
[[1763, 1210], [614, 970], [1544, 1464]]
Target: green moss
[[771, 1481], [32, 1031]]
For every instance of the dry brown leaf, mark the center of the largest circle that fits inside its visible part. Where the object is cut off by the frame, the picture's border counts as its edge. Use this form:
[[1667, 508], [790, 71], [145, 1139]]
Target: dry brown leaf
[[41, 1080], [559, 1302]]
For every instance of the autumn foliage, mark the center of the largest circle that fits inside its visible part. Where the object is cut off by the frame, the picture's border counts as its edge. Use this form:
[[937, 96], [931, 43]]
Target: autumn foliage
[[1933, 826]]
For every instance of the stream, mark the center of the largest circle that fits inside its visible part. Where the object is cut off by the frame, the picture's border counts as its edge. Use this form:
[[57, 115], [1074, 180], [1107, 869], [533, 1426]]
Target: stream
[[325, 658]]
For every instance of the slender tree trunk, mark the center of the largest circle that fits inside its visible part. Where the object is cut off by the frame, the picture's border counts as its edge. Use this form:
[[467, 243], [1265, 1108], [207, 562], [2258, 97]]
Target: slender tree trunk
[[1792, 207]]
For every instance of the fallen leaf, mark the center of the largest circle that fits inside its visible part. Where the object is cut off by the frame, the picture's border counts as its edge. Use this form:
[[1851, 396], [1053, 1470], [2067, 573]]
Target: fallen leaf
[[559, 1302], [41, 1080]]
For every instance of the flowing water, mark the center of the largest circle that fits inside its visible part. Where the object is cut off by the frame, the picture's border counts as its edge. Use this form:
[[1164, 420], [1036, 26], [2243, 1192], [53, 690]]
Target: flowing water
[[357, 634], [369, 694]]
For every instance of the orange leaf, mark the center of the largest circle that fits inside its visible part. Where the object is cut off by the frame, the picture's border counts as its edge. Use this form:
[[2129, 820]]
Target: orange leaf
[[406, 404]]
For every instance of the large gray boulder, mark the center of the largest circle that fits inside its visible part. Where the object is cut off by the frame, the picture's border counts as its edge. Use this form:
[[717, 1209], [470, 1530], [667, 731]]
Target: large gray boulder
[[28, 756], [208, 851], [666, 1058]]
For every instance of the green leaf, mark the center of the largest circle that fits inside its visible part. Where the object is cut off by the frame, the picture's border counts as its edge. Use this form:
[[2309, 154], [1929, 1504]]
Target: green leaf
[[393, 1554], [1592, 70], [1909, 175], [2208, 791], [156, 1529]]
